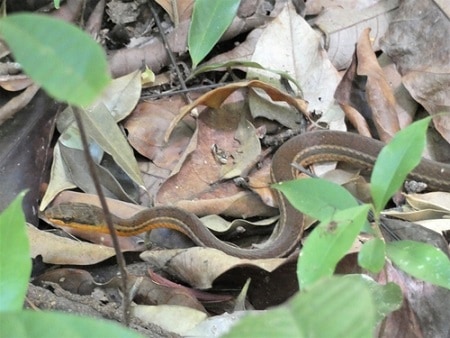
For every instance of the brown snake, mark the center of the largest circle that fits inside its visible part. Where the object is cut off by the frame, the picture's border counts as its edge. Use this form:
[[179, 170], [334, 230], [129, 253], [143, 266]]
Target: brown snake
[[305, 149]]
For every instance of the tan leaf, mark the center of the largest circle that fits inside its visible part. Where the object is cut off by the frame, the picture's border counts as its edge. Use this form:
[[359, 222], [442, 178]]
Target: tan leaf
[[304, 59], [201, 266]]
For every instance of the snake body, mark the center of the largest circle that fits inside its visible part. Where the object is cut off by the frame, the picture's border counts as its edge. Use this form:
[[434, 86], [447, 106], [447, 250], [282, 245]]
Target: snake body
[[305, 149]]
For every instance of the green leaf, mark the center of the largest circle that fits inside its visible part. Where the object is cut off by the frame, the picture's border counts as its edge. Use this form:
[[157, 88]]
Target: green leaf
[[210, 19], [58, 56], [334, 307], [55, 325], [395, 162], [280, 322], [15, 261], [421, 260], [316, 197], [372, 255], [328, 243], [387, 298]]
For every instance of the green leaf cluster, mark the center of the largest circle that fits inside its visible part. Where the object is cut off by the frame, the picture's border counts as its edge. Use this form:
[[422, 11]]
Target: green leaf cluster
[[341, 220], [362, 303]]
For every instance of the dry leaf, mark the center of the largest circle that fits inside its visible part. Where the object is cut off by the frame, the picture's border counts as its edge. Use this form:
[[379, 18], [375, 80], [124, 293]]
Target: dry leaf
[[378, 91], [201, 266], [343, 24], [178, 10], [215, 98], [176, 319], [304, 59], [417, 42], [59, 250]]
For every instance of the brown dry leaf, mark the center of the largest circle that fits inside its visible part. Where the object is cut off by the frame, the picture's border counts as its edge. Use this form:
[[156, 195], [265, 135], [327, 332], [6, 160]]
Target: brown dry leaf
[[431, 210], [58, 250], [411, 215], [69, 171], [197, 294], [24, 147], [304, 59], [215, 98], [424, 312], [221, 225], [218, 325], [342, 23], [225, 144], [148, 292], [76, 281], [366, 96], [405, 105], [230, 201], [178, 10], [440, 226], [417, 42], [378, 91], [14, 83], [424, 207], [173, 318], [199, 267], [350, 94], [315, 7], [437, 200], [242, 52], [146, 127], [352, 181]]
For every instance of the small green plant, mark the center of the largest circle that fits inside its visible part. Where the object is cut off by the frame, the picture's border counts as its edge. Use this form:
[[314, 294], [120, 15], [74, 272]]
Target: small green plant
[[358, 304]]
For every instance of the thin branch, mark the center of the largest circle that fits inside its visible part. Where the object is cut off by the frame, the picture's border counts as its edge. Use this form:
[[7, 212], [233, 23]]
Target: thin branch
[[107, 215]]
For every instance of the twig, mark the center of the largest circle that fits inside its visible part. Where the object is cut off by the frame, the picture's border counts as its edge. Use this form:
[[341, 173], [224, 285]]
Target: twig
[[169, 51], [107, 215]]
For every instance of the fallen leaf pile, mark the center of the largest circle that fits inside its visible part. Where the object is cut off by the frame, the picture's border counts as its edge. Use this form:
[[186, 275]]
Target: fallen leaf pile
[[370, 66]]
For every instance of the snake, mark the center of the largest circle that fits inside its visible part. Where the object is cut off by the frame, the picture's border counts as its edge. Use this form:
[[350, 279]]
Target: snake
[[304, 149]]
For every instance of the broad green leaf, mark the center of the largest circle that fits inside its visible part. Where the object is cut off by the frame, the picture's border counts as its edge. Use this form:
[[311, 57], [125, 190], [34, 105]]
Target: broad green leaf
[[372, 255], [15, 261], [395, 162], [328, 243], [333, 308], [387, 298], [210, 19], [316, 197], [279, 322], [55, 325], [58, 56], [421, 260]]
